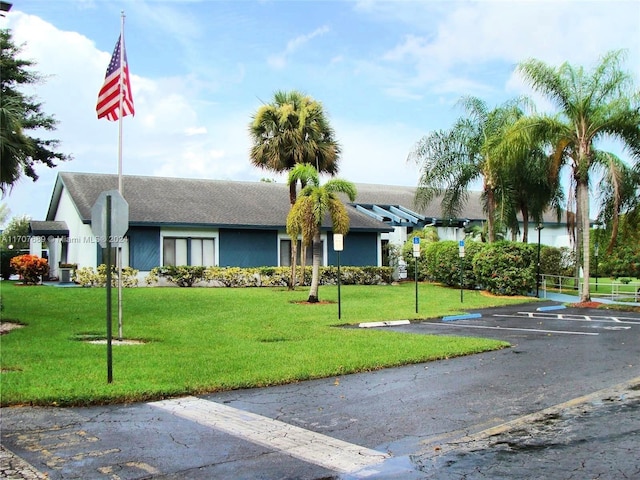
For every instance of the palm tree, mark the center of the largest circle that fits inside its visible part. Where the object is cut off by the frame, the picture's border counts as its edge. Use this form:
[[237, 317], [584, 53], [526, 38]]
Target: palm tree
[[314, 203], [524, 186], [15, 147], [291, 130], [619, 194], [592, 106], [453, 159]]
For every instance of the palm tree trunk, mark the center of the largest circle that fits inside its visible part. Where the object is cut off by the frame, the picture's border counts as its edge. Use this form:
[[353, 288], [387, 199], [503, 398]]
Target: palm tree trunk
[[315, 276], [491, 209], [303, 263], [582, 193], [294, 261], [525, 222], [294, 241]]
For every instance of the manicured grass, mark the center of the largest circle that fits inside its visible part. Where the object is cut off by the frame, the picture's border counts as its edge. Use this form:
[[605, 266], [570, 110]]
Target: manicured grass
[[210, 339]]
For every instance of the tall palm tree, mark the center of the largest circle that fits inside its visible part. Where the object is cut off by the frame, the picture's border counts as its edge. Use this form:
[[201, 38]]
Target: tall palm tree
[[592, 106], [524, 186], [453, 159], [619, 194], [314, 203], [293, 129]]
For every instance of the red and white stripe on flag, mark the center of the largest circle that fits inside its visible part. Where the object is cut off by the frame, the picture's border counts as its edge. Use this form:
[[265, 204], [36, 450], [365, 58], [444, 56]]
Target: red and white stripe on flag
[[109, 97]]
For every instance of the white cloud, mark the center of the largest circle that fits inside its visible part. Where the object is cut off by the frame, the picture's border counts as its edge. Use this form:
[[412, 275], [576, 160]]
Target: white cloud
[[477, 34], [279, 60], [166, 136], [191, 131]]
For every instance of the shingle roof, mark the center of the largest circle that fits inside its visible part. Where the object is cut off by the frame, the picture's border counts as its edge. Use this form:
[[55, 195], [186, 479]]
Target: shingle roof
[[192, 202], [219, 203], [55, 228]]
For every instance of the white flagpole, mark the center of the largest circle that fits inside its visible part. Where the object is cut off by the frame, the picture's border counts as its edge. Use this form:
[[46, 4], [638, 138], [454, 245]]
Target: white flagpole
[[119, 251]]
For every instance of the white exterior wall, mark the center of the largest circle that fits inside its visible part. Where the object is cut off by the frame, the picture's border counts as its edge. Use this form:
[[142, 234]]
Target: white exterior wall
[[82, 247], [81, 243], [397, 237], [551, 235]]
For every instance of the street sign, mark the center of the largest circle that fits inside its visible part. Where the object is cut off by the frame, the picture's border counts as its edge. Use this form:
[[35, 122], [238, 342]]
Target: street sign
[[416, 247], [119, 218], [338, 242], [461, 248]]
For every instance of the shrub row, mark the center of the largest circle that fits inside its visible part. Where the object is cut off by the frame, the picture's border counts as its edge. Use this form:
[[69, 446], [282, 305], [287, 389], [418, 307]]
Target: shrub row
[[503, 268], [187, 276], [88, 277]]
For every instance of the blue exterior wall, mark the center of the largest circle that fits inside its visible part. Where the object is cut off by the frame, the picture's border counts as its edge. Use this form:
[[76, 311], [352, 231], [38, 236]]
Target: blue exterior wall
[[360, 250], [248, 248], [144, 247]]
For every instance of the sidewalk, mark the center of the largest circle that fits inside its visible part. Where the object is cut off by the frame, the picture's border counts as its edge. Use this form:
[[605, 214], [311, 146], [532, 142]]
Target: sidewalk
[[13, 467], [566, 298]]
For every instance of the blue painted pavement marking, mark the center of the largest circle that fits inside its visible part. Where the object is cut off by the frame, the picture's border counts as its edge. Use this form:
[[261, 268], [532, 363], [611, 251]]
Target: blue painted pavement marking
[[450, 318]]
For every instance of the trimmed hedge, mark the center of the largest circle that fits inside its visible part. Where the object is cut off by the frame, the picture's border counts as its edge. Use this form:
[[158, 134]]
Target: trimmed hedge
[[187, 276], [88, 277]]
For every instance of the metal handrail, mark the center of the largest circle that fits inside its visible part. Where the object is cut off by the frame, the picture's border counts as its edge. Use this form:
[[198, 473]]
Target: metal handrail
[[610, 290]]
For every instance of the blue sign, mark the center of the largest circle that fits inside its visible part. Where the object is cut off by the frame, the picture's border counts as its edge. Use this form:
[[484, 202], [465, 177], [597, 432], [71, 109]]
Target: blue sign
[[416, 240], [461, 243]]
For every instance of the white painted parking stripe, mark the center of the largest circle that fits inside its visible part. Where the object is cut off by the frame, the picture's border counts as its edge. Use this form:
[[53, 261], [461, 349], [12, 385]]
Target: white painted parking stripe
[[306, 445], [536, 330], [570, 318]]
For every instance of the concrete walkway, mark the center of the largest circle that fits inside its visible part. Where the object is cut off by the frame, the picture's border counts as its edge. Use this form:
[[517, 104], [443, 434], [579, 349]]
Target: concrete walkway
[[13, 467], [566, 298]]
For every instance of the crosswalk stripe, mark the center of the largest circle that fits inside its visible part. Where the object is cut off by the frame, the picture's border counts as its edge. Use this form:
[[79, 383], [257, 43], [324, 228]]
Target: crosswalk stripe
[[316, 448]]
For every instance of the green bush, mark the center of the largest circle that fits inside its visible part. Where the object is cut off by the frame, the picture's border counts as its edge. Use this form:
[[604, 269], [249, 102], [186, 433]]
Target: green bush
[[428, 236], [442, 263], [182, 275], [5, 262], [624, 261], [556, 261], [88, 277], [507, 268]]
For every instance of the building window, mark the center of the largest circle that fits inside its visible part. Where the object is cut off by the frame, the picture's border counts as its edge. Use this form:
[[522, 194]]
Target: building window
[[188, 251], [285, 253], [174, 251], [203, 252]]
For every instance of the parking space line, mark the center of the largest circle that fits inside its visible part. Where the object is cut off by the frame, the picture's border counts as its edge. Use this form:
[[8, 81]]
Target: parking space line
[[536, 330], [300, 443], [571, 317]]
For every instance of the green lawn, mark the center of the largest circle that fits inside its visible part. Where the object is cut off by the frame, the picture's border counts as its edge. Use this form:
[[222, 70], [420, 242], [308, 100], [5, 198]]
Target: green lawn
[[201, 340]]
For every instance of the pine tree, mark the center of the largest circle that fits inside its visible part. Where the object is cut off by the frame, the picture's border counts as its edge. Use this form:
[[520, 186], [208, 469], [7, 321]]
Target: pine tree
[[20, 116]]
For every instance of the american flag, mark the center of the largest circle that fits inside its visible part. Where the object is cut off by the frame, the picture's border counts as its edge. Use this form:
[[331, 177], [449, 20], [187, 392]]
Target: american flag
[[109, 98]]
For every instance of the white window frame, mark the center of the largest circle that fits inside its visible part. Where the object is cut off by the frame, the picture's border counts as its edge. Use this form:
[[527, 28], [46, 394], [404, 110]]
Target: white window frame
[[181, 233], [323, 238]]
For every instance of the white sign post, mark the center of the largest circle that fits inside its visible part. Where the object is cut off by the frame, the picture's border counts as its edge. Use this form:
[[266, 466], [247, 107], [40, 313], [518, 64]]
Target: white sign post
[[338, 246], [416, 255]]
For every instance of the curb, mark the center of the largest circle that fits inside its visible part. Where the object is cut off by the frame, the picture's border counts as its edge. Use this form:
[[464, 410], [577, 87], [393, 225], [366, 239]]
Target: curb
[[388, 323]]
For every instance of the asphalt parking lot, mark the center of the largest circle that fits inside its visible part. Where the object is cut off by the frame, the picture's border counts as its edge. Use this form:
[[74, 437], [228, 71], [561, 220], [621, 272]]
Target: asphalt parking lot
[[562, 402]]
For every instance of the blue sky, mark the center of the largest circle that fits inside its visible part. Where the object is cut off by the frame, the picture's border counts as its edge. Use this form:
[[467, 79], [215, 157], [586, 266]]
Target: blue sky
[[387, 73]]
